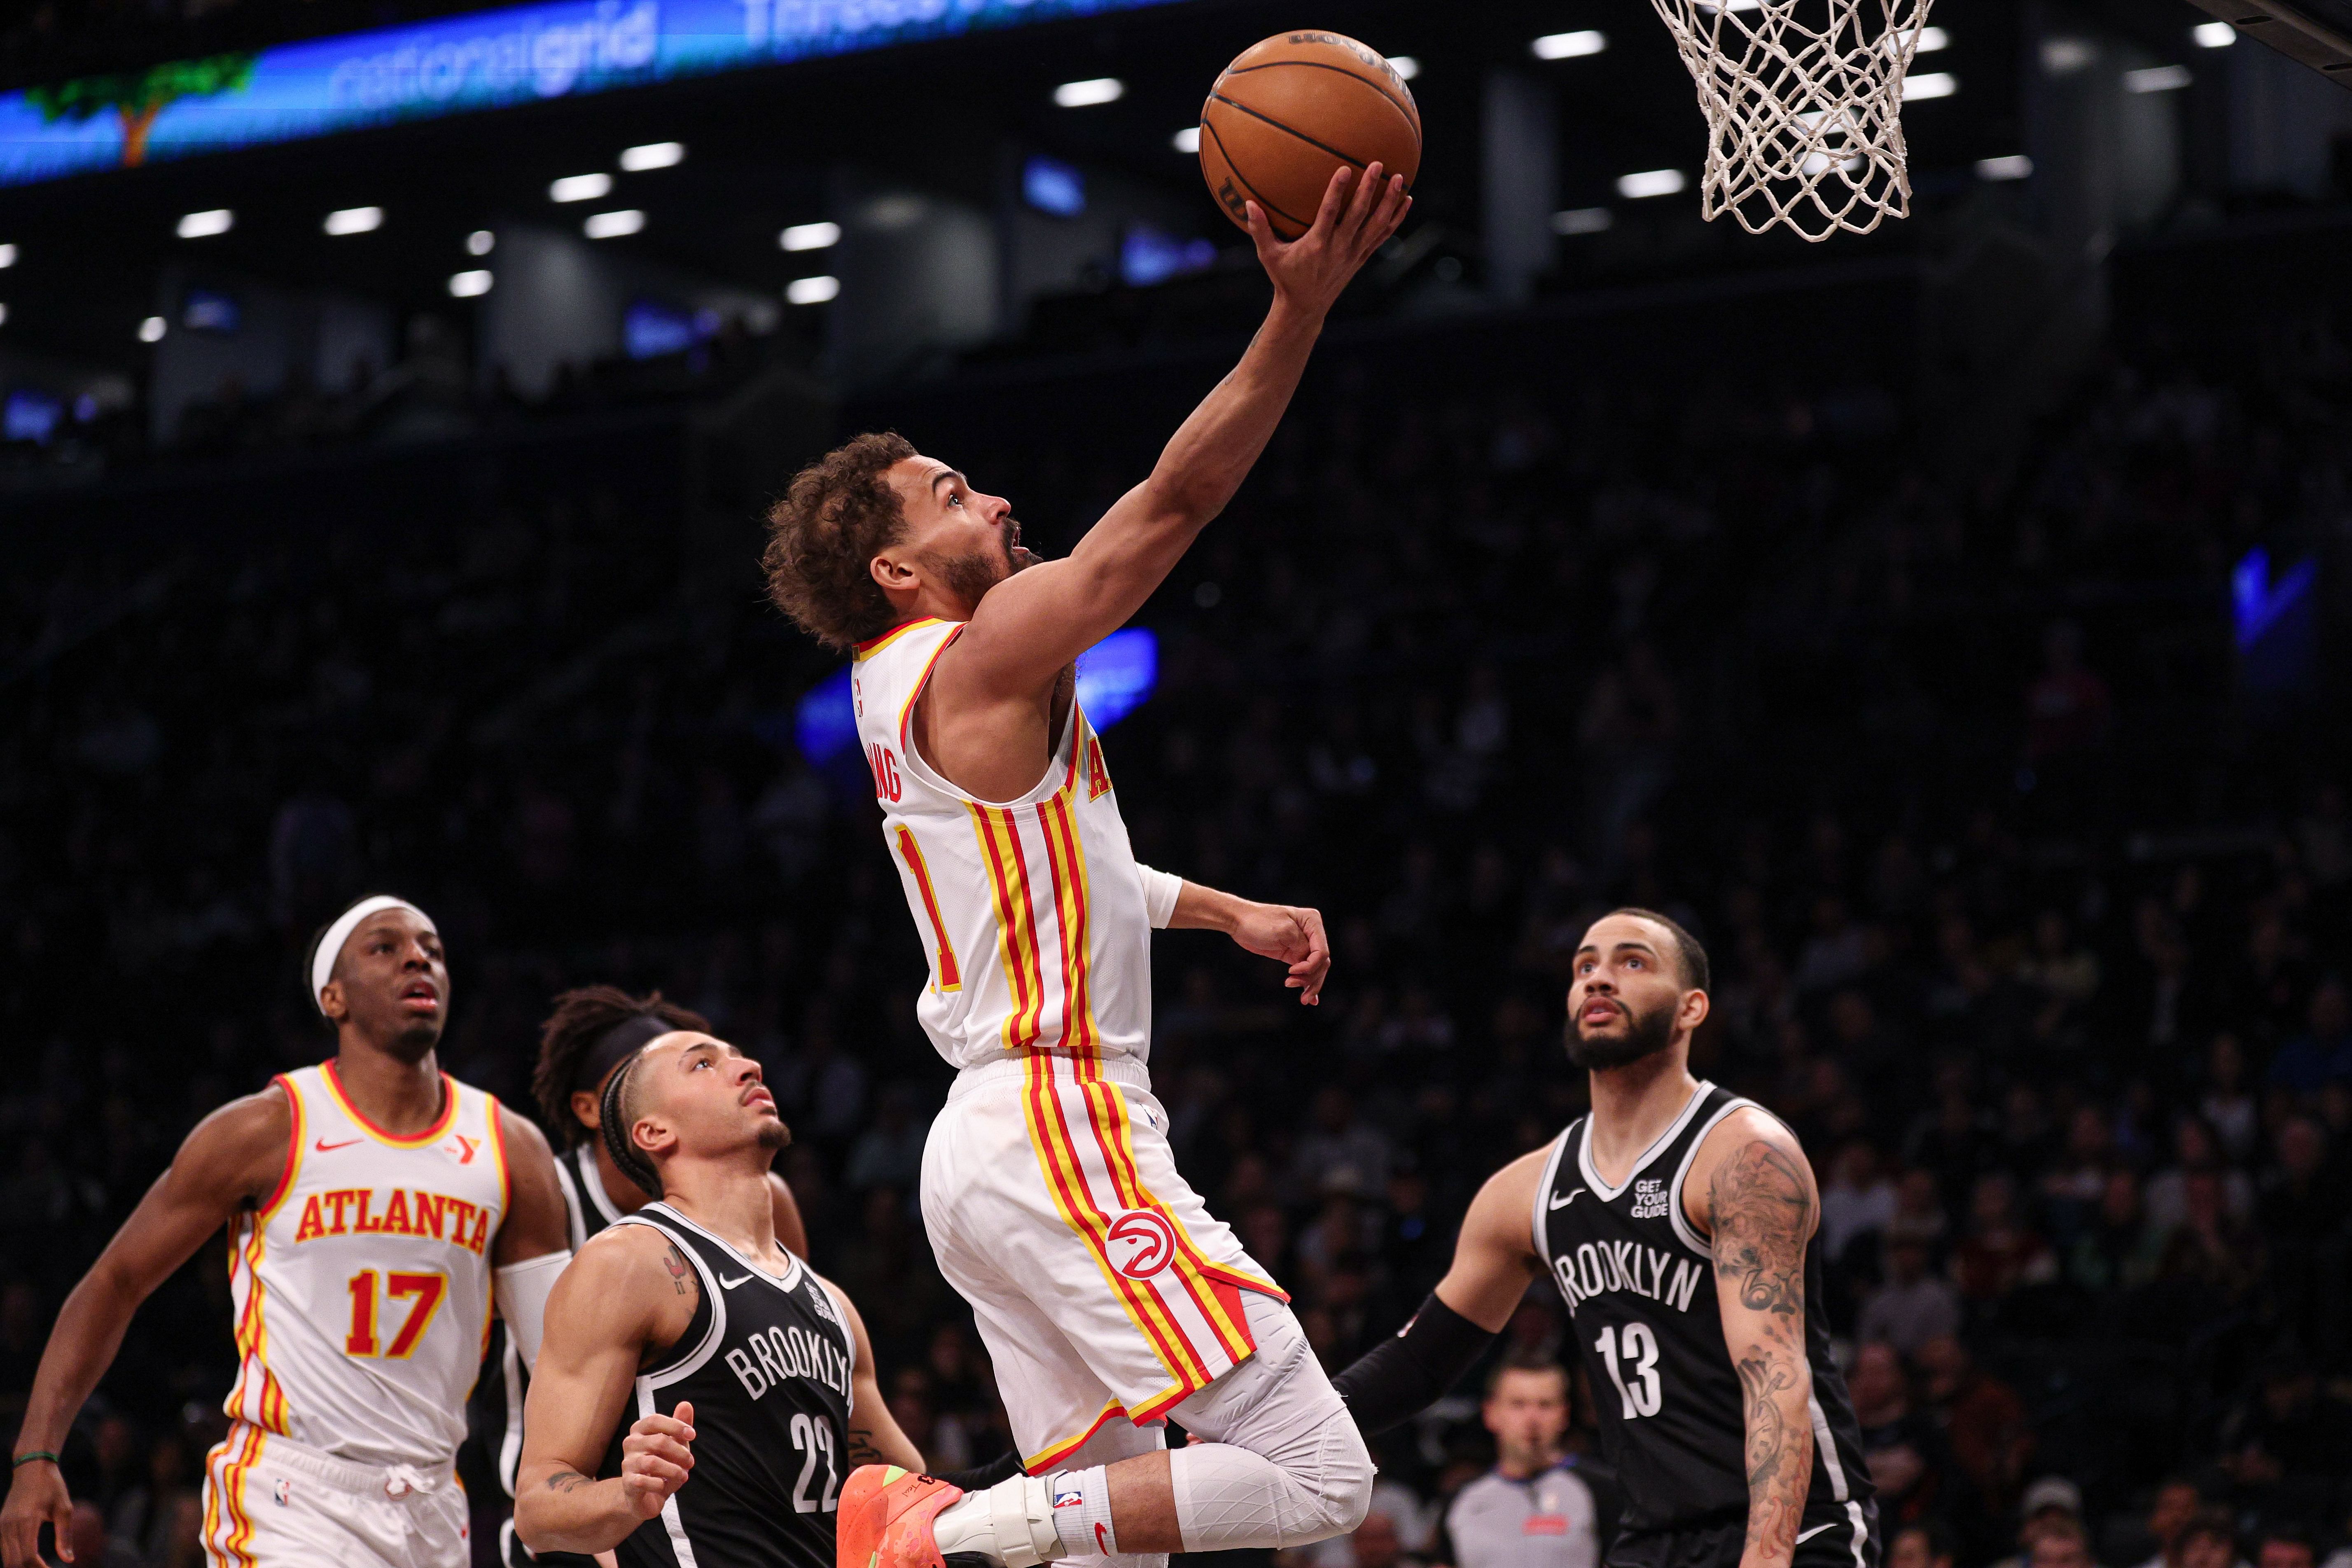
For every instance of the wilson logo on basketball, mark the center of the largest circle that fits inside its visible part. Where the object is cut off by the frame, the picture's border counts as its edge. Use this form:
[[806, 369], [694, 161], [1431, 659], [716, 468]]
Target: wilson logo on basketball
[[1152, 1237]]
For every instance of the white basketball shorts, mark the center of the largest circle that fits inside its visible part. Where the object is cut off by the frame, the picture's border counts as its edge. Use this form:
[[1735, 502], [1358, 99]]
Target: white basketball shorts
[[272, 1503], [1103, 1287]]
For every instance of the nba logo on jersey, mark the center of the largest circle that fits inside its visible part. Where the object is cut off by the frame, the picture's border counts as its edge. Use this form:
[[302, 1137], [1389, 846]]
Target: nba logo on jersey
[[1650, 1199], [283, 1492], [1068, 1497]]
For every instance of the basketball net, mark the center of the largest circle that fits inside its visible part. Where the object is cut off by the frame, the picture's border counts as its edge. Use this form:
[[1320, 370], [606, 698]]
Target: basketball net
[[1803, 106]]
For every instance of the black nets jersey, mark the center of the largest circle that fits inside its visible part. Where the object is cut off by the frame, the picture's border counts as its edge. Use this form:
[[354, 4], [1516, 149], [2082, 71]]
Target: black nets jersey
[[1640, 1289], [494, 1414], [766, 1363]]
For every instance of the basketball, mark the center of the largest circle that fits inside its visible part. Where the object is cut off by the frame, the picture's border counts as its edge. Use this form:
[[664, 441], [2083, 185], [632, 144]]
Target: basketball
[[1293, 109]]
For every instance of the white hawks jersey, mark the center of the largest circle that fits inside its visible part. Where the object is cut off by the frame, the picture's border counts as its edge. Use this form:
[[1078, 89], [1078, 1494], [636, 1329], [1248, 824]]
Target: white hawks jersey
[[361, 1288], [1031, 908]]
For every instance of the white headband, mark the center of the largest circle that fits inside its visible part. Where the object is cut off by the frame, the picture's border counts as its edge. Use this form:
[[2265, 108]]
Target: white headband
[[330, 946]]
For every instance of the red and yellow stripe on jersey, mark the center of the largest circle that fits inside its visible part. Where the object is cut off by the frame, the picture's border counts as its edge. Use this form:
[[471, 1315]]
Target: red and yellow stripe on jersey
[[228, 1524]]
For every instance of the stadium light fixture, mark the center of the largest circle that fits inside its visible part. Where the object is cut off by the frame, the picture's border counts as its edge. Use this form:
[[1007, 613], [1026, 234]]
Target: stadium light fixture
[[1405, 66], [204, 225], [470, 285], [613, 226], [2157, 78], [1187, 141], [2213, 35], [812, 291], [1569, 46], [480, 242], [1929, 40], [810, 237], [580, 187], [2015, 166], [354, 220], [4, 315], [1651, 183], [7, 256], [653, 155], [1931, 84], [1582, 220], [1086, 94], [151, 331]]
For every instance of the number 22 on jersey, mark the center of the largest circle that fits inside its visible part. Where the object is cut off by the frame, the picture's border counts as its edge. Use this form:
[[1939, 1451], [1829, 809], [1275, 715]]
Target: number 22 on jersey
[[1637, 1377]]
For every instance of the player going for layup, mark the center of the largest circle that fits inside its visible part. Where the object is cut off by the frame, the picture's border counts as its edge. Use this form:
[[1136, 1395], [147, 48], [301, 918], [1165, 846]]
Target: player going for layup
[[584, 1042], [1728, 1424], [690, 1303], [368, 1202], [1106, 1294]]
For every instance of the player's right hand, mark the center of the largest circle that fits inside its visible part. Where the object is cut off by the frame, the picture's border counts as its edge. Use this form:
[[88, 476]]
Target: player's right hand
[[655, 1458], [1358, 215], [36, 1496]]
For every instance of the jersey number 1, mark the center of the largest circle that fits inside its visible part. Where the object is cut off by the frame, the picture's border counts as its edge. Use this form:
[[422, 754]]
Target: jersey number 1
[[812, 1435], [1637, 1380], [424, 1292]]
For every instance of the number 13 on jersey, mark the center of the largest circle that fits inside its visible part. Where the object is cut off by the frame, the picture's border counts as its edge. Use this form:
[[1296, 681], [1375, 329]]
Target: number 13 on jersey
[[1637, 1377]]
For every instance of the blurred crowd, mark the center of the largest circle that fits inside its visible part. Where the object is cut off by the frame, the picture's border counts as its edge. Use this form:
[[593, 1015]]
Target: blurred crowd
[[2023, 914]]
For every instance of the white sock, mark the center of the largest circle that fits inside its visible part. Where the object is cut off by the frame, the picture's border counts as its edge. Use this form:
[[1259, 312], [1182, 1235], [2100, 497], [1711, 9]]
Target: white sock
[[1082, 1512], [1012, 1521]]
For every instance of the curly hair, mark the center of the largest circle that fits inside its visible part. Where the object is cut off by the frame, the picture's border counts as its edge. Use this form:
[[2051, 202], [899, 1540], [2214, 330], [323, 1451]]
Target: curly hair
[[823, 534], [580, 1018]]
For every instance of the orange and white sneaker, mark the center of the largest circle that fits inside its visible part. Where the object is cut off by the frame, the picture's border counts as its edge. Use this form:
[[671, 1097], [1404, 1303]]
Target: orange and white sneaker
[[885, 1518]]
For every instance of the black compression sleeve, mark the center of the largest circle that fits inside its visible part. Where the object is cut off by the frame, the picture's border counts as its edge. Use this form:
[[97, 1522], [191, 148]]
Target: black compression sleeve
[[1401, 1376], [980, 1477]]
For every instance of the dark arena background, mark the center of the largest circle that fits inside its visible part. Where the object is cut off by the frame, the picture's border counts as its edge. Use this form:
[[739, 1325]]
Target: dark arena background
[[1947, 623]]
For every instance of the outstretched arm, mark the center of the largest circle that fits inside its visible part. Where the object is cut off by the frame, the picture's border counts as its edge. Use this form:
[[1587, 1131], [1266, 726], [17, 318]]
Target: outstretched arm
[[1027, 628], [628, 1291], [235, 1157], [1288, 933], [1760, 1211], [1493, 1260]]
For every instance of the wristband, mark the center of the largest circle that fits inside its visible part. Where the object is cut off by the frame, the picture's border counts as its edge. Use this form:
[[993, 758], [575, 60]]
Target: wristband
[[1412, 1370], [30, 1454]]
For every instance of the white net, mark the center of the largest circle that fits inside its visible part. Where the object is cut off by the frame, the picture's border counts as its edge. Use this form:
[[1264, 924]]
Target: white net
[[1803, 101]]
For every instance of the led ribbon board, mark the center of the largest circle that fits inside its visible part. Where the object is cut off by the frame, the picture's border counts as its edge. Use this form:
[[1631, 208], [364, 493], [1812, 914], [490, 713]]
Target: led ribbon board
[[457, 65]]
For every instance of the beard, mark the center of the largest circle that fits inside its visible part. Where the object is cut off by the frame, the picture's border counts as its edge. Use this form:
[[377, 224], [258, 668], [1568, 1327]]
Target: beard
[[774, 1136], [1647, 1033], [969, 576]]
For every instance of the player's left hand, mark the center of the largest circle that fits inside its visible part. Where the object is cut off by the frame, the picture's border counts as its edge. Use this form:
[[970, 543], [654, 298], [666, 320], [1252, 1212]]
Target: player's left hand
[[1293, 935], [1360, 214], [656, 1457]]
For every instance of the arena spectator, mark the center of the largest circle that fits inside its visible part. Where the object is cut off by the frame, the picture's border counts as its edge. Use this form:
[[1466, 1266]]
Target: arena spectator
[[2176, 1503], [1532, 1509]]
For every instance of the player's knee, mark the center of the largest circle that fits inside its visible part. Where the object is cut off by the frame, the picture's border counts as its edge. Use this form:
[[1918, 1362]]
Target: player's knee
[[1336, 1477]]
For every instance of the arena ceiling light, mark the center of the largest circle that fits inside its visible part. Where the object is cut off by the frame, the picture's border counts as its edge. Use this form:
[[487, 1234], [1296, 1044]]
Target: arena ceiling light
[[810, 237], [1187, 141], [1086, 94], [2213, 35], [613, 226], [580, 188], [470, 285], [1582, 220], [1651, 183], [480, 242], [812, 291], [354, 220], [2015, 166], [151, 331], [1405, 66], [1931, 84], [2157, 78], [1930, 40], [7, 256], [653, 155], [204, 225], [1569, 46]]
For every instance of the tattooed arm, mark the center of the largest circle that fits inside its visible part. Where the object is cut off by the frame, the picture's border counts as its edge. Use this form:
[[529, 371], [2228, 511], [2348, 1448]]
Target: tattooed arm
[[1759, 1212], [875, 1436], [624, 1298]]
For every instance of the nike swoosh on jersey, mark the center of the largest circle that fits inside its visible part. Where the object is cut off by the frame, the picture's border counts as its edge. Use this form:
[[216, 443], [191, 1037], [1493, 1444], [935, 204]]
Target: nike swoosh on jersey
[[1809, 1534], [325, 1148], [727, 1284], [1563, 1202]]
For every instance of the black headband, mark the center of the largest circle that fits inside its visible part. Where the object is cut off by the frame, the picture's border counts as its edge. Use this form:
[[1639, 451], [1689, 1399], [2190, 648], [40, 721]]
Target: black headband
[[618, 1141], [617, 1044]]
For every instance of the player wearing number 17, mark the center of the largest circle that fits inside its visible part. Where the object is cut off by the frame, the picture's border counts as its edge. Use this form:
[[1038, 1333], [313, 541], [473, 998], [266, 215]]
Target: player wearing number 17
[[370, 1201], [1678, 1221]]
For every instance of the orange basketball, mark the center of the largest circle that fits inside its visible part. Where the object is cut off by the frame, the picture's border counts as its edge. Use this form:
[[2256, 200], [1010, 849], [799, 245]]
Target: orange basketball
[[1293, 109]]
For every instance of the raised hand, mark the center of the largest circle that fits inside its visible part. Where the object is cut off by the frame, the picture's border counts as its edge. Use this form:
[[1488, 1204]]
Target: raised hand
[[656, 1457], [1357, 216]]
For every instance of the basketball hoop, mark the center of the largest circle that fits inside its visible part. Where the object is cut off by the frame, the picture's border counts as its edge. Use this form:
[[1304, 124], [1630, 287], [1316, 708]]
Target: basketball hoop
[[1803, 106]]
